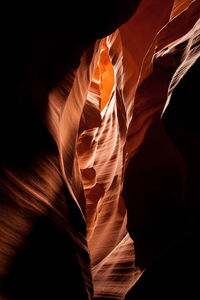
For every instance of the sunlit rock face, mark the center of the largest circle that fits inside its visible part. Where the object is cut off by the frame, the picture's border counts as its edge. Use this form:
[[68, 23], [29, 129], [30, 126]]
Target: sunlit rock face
[[99, 157]]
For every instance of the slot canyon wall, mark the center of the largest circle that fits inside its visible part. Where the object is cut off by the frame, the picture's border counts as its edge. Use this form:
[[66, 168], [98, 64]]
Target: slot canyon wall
[[99, 156]]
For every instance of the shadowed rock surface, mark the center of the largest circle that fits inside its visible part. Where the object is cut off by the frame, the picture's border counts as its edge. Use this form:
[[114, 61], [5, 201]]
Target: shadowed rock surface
[[99, 155]]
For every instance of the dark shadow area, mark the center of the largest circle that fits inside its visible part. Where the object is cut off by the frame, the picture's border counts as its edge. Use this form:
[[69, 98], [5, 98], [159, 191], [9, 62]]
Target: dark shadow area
[[46, 267], [175, 274]]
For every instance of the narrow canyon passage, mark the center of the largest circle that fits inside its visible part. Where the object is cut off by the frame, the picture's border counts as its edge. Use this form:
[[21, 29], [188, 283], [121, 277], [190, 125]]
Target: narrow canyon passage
[[99, 156]]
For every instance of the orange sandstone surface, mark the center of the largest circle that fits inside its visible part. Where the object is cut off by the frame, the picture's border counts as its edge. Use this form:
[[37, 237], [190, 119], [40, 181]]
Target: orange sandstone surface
[[107, 192]]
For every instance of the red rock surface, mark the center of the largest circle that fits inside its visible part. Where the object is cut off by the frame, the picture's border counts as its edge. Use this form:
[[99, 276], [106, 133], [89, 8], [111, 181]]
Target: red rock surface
[[97, 191]]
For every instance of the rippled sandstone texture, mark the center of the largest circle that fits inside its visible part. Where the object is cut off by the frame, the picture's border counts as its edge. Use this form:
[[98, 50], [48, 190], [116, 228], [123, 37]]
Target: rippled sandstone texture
[[99, 150]]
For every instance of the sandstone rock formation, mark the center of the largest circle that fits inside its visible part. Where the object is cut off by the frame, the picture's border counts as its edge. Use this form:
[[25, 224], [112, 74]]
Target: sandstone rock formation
[[99, 154]]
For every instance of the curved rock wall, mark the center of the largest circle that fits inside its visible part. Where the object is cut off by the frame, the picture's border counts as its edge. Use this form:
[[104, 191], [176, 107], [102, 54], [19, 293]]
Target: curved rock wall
[[96, 171]]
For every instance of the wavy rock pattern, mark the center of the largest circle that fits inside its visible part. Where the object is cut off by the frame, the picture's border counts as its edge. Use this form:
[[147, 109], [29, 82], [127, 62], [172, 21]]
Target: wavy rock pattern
[[98, 187]]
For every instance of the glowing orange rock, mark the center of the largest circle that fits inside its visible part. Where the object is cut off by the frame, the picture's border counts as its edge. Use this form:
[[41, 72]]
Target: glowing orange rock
[[106, 164], [142, 78]]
